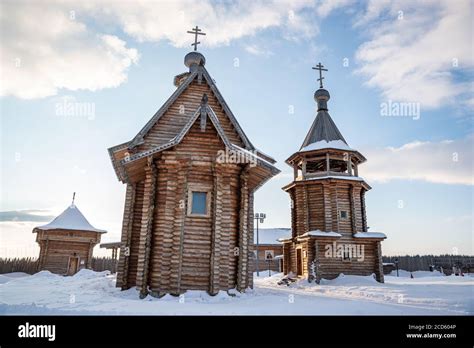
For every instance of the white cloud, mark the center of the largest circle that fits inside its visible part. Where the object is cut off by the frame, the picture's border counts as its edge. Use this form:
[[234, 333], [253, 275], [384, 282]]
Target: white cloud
[[257, 50], [223, 21], [44, 50], [445, 162], [325, 7], [60, 45], [412, 58]]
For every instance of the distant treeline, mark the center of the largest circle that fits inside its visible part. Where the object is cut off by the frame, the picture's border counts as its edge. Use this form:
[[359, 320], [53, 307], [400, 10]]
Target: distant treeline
[[29, 265], [423, 262], [407, 262]]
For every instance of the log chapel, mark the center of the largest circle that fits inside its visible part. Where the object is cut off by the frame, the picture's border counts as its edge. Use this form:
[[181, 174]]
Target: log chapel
[[190, 176]]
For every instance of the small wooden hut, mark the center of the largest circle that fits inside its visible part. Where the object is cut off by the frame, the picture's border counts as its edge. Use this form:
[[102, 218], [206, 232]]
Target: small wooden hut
[[191, 174], [328, 214], [66, 243]]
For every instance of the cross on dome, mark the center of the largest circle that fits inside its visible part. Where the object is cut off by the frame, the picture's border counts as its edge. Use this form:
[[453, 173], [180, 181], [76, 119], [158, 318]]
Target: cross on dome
[[196, 31], [321, 78]]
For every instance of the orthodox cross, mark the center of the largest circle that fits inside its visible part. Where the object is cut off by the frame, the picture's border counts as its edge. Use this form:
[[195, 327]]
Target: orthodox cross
[[321, 78], [73, 197], [196, 32]]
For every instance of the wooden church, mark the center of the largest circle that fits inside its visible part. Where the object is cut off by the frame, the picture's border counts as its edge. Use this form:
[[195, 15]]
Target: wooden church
[[328, 214], [191, 174], [66, 243]]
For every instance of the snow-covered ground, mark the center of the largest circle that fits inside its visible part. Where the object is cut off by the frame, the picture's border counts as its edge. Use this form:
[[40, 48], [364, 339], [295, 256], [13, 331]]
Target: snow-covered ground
[[91, 293]]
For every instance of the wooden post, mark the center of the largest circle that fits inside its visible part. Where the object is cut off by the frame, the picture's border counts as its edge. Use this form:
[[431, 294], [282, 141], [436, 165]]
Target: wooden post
[[123, 263], [349, 164], [353, 211], [356, 170], [293, 213], [317, 262], [89, 255], [215, 232], [146, 228], [309, 258], [179, 223], [250, 239], [328, 168], [378, 262], [335, 204], [306, 208], [243, 231], [303, 168], [114, 259], [169, 233], [286, 258], [364, 216], [45, 253]]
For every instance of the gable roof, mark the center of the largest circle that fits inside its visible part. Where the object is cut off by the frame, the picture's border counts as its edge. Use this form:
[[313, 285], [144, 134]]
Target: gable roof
[[202, 110], [70, 219], [201, 73], [323, 129], [120, 155]]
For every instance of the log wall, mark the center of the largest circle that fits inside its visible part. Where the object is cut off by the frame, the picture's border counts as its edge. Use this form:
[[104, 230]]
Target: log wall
[[57, 246], [317, 206], [208, 253]]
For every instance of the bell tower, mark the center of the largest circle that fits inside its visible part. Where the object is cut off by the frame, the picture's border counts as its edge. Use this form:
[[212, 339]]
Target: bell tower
[[328, 201]]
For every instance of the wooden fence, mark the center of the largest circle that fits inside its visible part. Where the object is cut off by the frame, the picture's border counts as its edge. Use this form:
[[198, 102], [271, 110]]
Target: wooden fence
[[29, 265], [26, 265], [409, 263], [423, 262]]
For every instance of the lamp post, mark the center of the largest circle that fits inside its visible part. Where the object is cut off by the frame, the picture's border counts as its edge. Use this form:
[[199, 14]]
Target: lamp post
[[260, 217], [396, 265]]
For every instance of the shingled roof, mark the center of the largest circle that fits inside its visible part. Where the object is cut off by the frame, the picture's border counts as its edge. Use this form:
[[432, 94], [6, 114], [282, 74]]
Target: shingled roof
[[200, 73], [204, 109], [323, 129]]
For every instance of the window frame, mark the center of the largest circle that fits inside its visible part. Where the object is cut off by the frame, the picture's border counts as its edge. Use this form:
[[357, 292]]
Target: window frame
[[347, 214], [199, 188]]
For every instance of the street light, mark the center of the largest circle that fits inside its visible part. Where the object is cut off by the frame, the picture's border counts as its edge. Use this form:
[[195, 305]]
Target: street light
[[260, 217], [396, 264]]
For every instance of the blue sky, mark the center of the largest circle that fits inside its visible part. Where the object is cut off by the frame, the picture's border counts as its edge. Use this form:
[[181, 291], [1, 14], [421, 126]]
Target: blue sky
[[122, 59]]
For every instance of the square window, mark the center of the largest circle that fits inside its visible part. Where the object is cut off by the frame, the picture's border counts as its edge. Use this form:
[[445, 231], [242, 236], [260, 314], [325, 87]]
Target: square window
[[343, 214], [199, 203]]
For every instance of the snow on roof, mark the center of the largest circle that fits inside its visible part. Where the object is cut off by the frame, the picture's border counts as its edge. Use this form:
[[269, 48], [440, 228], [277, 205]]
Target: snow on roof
[[323, 144], [70, 219], [345, 177], [370, 235], [271, 235], [318, 233], [263, 153], [252, 154]]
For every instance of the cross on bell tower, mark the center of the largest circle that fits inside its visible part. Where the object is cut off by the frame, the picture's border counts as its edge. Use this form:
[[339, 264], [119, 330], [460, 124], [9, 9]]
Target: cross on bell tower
[[196, 31], [321, 78]]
